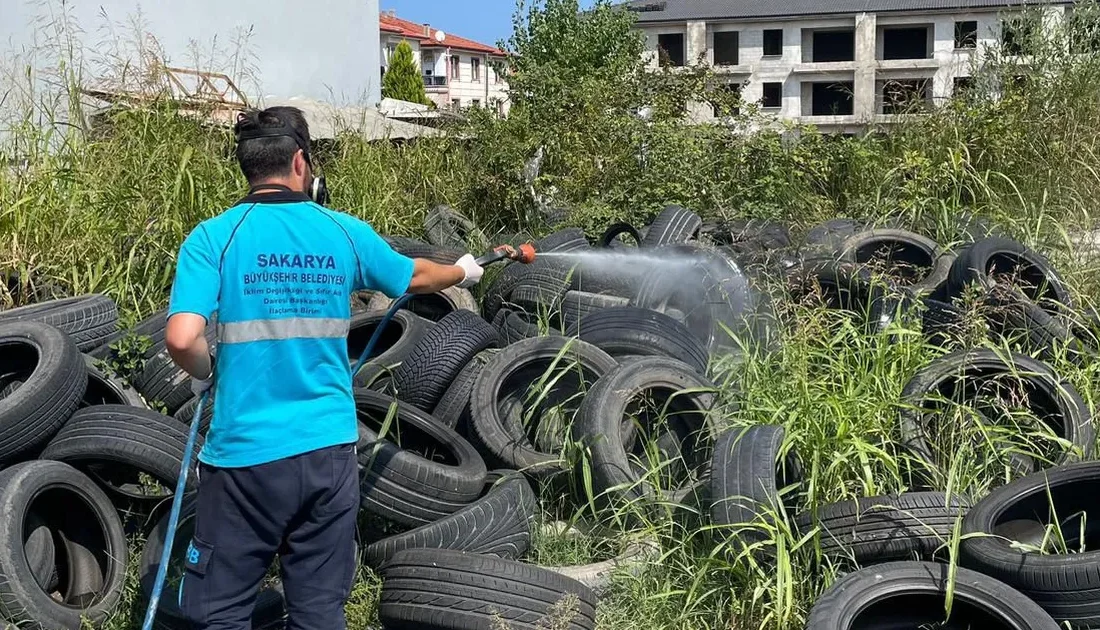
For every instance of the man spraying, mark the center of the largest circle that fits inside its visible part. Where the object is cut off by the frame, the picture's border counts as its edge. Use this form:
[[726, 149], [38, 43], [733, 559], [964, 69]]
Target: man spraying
[[278, 473]]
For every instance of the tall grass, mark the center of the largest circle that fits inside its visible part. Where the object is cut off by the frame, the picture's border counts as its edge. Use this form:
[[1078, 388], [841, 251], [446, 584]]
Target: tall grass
[[104, 207]]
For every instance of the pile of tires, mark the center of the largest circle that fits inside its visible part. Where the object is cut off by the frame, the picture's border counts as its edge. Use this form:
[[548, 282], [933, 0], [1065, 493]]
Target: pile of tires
[[570, 387], [80, 451]]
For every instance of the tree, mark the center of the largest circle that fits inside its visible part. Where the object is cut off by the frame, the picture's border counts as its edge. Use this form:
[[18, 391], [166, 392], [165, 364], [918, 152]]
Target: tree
[[403, 80]]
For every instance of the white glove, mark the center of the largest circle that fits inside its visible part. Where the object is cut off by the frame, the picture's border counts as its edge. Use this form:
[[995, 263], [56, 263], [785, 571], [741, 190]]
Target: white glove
[[198, 387], [471, 269]]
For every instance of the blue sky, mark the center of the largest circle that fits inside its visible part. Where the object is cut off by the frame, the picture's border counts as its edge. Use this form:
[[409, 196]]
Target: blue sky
[[486, 21]]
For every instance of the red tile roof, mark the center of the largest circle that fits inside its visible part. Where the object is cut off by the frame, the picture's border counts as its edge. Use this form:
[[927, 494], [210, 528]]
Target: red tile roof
[[426, 36]]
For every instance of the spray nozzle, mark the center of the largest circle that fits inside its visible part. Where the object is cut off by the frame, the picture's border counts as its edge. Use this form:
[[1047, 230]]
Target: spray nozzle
[[522, 253]]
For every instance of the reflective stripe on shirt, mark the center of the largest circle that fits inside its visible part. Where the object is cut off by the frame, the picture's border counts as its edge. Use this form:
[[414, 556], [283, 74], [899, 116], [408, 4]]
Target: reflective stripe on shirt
[[274, 329]]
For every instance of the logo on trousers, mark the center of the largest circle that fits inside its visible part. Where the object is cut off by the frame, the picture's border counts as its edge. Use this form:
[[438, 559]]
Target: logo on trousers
[[192, 553]]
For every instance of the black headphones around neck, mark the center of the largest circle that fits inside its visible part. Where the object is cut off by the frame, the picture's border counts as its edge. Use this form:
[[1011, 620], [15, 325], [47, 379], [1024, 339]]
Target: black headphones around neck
[[318, 190]]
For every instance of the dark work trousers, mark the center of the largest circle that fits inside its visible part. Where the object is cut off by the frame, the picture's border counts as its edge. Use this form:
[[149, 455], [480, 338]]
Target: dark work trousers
[[302, 508]]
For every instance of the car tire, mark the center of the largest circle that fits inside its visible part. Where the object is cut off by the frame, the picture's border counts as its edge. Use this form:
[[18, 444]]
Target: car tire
[[88, 319], [751, 474], [497, 524], [403, 485], [874, 530], [1063, 584], [83, 520], [1057, 402], [631, 331], [599, 426], [439, 357], [672, 225], [914, 595], [112, 443], [52, 378], [517, 365], [437, 589]]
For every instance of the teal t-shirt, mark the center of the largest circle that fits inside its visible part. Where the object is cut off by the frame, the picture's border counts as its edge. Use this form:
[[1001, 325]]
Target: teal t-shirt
[[279, 271]]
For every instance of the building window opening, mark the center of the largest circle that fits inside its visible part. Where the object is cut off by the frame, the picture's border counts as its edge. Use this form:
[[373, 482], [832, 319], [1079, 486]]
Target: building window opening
[[833, 98], [725, 48], [671, 49], [773, 42], [905, 96], [906, 43], [831, 46], [772, 97], [966, 34]]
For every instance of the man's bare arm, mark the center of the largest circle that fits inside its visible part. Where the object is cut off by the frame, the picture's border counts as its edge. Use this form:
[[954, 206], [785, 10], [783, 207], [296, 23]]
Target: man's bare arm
[[187, 345], [432, 277]]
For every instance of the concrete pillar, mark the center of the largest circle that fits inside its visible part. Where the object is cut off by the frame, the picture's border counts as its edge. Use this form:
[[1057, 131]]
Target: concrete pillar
[[372, 47], [695, 41], [863, 104]]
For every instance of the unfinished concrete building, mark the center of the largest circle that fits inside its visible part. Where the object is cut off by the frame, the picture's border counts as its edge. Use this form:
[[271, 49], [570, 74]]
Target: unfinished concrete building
[[838, 64]]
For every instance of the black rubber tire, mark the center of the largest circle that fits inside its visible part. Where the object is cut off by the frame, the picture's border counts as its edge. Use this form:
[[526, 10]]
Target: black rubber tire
[[41, 551], [750, 234], [162, 380], [913, 595], [496, 524], [716, 301], [515, 326], [1061, 408], [907, 257], [53, 380], [436, 589], [542, 289], [1065, 585], [567, 240], [578, 304], [88, 319], [439, 356], [608, 239], [402, 485], [519, 365], [269, 609], [453, 408], [445, 227], [845, 286], [186, 414], [1012, 316], [97, 439], [674, 224], [628, 330], [401, 335], [874, 530], [826, 238], [431, 306], [419, 249], [106, 389], [942, 323], [749, 472], [679, 390], [976, 264], [95, 554]]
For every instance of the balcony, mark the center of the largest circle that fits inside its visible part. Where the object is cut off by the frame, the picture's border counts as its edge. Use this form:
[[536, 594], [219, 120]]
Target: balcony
[[436, 81]]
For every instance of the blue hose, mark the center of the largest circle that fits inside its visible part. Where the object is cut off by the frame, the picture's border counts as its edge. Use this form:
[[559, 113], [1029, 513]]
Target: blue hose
[[185, 465]]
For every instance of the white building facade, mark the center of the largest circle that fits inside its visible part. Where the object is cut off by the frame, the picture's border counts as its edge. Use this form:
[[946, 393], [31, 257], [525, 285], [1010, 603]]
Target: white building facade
[[458, 72], [849, 63]]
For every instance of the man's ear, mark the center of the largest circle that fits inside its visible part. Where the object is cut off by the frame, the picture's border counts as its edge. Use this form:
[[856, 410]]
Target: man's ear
[[300, 164]]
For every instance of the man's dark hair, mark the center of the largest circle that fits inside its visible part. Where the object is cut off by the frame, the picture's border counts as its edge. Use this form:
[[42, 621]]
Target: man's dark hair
[[263, 158]]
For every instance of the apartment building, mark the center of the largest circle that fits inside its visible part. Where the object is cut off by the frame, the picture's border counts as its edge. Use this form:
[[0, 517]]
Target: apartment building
[[837, 64], [458, 72]]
